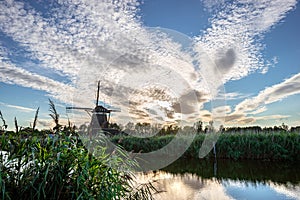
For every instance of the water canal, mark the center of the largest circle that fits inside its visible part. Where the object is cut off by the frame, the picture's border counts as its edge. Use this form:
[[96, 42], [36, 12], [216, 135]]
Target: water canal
[[225, 179]]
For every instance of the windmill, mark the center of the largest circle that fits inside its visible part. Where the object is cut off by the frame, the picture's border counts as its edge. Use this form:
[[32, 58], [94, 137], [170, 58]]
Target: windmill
[[100, 116]]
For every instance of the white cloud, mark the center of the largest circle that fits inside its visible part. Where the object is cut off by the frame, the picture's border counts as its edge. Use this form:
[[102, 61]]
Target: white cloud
[[241, 118], [222, 109], [269, 63], [231, 42], [288, 87], [230, 48], [268, 117], [75, 31], [235, 95], [213, 4], [15, 75], [246, 110], [259, 110], [24, 109]]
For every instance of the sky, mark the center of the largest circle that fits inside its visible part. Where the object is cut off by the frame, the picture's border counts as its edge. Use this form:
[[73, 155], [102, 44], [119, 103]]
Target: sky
[[160, 61]]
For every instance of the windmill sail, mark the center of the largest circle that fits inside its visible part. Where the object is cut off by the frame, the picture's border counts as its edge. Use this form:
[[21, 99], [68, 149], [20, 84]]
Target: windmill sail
[[98, 91]]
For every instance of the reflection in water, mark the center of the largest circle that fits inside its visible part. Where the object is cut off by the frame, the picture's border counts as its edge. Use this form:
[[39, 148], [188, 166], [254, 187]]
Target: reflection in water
[[185, 186], [195, 184], [291, 191], [270, 190]]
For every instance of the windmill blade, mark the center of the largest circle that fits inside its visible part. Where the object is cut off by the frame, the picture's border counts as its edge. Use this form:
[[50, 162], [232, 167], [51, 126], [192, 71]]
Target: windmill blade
[[87, 110], [79, 108], [97, 95], [114, 110]]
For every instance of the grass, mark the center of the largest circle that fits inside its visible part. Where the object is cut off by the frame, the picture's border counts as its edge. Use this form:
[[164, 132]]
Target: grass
[[278, 146], [262, 146]]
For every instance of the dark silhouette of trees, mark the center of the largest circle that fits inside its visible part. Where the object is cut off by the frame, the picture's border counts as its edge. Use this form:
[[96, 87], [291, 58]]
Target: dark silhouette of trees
[[295, 129], [199, 126]]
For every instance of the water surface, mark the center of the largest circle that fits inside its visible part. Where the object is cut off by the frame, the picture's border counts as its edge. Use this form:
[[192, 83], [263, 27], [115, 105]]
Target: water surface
[[224, 179]]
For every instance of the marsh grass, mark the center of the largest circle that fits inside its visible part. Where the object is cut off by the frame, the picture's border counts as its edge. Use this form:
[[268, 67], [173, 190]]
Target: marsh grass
[[262, 146]]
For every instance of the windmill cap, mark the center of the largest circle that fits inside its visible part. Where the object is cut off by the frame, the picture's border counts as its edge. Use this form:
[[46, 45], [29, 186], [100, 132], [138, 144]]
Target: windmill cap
[[101, 109]]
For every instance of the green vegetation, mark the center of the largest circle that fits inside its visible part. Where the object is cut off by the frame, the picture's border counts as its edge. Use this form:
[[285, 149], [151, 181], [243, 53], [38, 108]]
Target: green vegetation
[[277, 146], [40, 166], [268, 146], [54, 164]]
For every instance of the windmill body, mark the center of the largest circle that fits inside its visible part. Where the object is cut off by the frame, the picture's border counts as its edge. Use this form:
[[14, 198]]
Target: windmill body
[[99, 117]]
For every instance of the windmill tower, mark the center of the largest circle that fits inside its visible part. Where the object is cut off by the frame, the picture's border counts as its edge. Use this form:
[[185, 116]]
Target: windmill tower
[[100, 116]]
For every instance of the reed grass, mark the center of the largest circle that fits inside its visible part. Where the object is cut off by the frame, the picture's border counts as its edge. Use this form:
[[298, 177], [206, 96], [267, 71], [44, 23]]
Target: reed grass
[[40, 166], [262, 146]]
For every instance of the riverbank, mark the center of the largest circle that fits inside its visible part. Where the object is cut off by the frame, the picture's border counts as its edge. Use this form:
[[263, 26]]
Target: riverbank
[[269, 146]]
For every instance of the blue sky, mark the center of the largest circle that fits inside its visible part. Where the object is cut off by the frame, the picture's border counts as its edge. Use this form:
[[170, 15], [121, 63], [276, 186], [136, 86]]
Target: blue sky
[[59, 49]]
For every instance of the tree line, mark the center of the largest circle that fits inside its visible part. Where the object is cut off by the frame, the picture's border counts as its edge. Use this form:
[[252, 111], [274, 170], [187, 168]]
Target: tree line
[[199, 127]]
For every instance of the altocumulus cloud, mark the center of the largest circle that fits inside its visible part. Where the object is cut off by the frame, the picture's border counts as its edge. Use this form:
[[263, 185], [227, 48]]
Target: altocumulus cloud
[[91, 40], [21, 108], [231, 41], [290, 86], [258, 104]]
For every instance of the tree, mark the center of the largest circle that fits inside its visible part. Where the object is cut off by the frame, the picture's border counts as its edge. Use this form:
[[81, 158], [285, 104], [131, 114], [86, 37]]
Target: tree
[[221, 129], [129, 126], [198, 126], [114, 126], [285, 127]]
